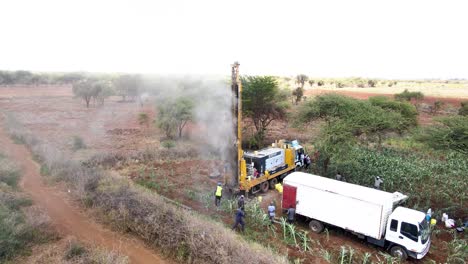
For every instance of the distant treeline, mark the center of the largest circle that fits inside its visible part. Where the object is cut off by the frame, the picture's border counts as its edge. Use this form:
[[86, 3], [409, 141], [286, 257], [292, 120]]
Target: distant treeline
[[33, 78]]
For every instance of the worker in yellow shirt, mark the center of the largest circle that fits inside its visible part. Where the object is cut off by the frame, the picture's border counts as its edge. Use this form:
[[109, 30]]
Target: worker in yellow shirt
[[218, 194]]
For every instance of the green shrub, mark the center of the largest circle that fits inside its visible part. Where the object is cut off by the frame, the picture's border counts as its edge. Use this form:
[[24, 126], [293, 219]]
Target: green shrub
[[78, 143], [408, 96], [463, 111], [449, 133], [143, 119], [407, 110], [168, 144], [372, 83], [320, 83], [340, 85], [437, 106], [19, 231], [9, 173], [75, 250]]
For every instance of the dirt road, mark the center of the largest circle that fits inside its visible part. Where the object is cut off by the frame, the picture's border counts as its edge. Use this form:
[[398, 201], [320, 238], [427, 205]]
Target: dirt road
[[67, 218]]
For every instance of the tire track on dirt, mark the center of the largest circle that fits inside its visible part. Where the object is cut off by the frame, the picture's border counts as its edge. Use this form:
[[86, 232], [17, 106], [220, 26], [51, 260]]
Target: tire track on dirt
[[67, 218]]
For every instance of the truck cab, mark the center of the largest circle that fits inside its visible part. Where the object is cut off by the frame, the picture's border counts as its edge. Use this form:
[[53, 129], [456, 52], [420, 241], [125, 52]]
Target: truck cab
[[407, 233]]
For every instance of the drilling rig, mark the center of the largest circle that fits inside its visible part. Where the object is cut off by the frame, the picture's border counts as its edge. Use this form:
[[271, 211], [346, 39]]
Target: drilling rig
[[257, 170]]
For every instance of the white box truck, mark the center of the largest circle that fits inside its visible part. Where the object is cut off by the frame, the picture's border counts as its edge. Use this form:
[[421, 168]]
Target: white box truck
[[371, 214]]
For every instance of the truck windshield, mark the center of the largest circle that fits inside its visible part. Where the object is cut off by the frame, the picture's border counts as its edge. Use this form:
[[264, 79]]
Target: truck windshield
[[424, 231]]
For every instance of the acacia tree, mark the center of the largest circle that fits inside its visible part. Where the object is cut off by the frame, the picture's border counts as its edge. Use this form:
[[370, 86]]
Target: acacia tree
[[173, 115], [301, 79], [263, 101], [86, 90], [450, 133], [128, 86]]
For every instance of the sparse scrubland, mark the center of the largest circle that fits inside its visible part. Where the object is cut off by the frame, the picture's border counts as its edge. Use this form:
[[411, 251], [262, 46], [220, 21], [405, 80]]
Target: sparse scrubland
[[26, 228], [184, 235]]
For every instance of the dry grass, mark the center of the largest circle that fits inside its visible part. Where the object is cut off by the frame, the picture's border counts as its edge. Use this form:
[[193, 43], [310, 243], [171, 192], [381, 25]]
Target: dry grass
[[70, 251]]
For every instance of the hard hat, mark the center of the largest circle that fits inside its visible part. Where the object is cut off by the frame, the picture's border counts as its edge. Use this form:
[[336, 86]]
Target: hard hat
[[242, 196], [219, 183]]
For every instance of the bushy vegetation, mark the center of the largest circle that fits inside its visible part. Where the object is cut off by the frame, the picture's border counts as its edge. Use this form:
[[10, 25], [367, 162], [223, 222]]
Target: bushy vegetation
[[349, 121], [463, 111], [9, 173], [408, 96], [78, 143], [173, 115], [21, 226], [450, 133]]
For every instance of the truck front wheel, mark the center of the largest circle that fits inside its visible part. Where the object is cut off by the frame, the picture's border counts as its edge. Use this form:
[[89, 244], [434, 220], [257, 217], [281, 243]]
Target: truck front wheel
[[316, 226], [398, 252]]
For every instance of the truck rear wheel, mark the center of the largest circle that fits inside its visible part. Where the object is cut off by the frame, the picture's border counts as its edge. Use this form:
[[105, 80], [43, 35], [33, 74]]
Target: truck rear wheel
[[398, 252], [264, 186], [316, 226], [273, 182]]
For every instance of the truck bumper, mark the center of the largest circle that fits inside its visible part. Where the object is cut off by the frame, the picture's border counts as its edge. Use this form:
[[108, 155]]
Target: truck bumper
[[420, 255]]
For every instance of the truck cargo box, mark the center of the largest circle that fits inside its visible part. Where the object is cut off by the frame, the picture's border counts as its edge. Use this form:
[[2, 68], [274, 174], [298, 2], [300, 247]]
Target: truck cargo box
[[349, 206]]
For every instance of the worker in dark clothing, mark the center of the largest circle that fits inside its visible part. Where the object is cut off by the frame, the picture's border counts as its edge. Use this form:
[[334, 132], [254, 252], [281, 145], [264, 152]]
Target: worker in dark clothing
[[308, 161], [218, 194], [241, 202], [377, 182], [291, 214], [239, 219], [338, 176]]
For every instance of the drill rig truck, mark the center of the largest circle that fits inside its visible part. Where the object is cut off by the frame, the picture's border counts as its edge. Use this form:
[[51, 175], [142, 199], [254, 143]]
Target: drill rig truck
[[254, 171]]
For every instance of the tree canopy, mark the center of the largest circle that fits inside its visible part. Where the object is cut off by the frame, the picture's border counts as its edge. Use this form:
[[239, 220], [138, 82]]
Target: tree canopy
[[173, 115], [349, 121], [86, 90], [128, 86], [263, 101], [450, 133]]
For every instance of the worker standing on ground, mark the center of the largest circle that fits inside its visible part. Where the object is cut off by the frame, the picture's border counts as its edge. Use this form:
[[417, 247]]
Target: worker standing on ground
[[338, 176], [307, 161], [377, 182], [271, 211], [218, 194], [291, 214], [239, 219], [241, 202]]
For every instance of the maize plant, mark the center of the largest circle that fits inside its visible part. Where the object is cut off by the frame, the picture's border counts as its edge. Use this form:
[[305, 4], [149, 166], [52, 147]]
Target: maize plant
[[458, 251], [303, 236], [426, 179], [366, 258]]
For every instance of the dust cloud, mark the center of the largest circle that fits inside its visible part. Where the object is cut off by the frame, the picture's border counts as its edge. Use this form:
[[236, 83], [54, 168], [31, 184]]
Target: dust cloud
[[212, 125]]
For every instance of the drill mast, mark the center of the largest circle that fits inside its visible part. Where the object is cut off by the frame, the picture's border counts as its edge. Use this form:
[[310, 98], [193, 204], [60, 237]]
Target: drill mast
[[236, 88]]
